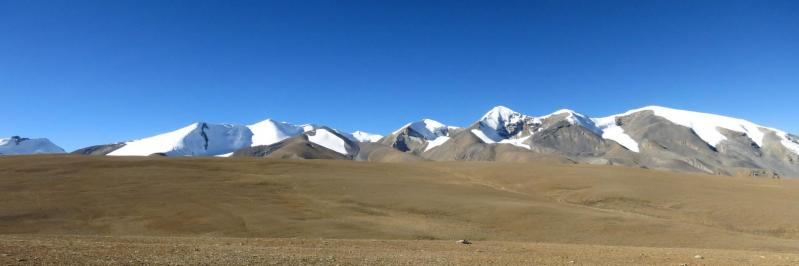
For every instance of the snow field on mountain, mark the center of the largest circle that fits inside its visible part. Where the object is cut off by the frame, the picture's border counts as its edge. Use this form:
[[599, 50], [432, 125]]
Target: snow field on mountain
[[327, 139]]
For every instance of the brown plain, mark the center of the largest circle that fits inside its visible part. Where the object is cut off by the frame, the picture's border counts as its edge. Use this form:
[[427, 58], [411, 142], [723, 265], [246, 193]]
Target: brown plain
[[155, 210]]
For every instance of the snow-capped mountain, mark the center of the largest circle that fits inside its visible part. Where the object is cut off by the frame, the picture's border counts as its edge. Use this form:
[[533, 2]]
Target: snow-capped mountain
[[222, 140], [17, 145], [419, 136], [197, 139], [505, 126], [501, 125], [269, 132], [428, 129], [707, 126], [652, 137]]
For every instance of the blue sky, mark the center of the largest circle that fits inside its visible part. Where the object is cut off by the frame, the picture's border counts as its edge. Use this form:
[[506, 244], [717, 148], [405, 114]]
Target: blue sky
[[92, 72]]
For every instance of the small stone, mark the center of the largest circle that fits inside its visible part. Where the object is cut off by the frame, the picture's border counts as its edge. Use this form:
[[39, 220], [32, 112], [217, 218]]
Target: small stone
[[571, 262], [683, 264], [21, 260], [699, 257], [463, 241]]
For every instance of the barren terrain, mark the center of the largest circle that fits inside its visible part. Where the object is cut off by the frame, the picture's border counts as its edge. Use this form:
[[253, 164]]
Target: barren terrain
[[132, 210]]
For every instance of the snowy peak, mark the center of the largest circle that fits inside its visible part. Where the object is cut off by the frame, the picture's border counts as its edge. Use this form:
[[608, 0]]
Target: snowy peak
[[269, 132], [502, 125], [499, 112], [436, 133], [502, 122], [17, 145], [575, 118], [197, 139], [430, 129], [360, 136], [419, 136], [427, 129], [498, 117]]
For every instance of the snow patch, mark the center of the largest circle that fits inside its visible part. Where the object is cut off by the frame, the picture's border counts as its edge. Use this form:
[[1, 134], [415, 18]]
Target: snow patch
[[517, 142], [792, 144], [436, 142], [610, 130], [616, 133], [327, 139], [489, 138], [481, 134]]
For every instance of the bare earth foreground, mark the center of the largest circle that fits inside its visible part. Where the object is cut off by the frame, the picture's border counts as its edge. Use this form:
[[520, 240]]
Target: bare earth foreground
[[82, 250], [104, 210]]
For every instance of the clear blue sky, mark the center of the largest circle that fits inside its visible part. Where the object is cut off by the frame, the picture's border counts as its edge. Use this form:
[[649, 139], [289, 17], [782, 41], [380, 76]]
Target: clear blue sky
[[92, 72]]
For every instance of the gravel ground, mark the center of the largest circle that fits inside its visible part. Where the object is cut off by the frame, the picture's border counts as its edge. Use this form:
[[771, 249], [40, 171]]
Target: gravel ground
[[87, 250]]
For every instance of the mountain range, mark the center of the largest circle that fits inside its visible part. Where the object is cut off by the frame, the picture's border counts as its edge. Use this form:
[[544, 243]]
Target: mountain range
[[650, 137]]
